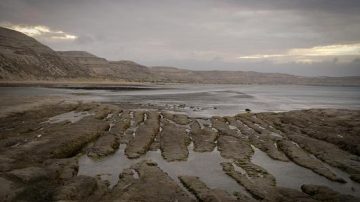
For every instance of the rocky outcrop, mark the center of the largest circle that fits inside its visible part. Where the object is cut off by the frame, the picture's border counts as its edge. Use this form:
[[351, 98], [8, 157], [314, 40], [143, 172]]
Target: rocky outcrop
[[29, 174], [38, 158], [139, 117], [204, 193], [261, 185], [8, 190], [262, 138], [203, 138], [333, 155], [320, 123], [62, 168], [80, 188], [323, 193], [173, 142], [255, 179], [145, 181], [296, 154], [144, 136], [103, 146], [181, 119], [234, 148]]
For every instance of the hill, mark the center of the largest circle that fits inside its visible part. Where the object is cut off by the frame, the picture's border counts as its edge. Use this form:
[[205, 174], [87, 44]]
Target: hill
[[22, 58]]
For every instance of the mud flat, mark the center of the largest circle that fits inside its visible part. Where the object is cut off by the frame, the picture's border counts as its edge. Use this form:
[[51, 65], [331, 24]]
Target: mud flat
[[107, 152]]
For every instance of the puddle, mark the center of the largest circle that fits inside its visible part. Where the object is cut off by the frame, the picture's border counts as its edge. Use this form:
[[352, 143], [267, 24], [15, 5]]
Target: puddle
[[207, 167], [204, 165], [290, 175], [72, 116]]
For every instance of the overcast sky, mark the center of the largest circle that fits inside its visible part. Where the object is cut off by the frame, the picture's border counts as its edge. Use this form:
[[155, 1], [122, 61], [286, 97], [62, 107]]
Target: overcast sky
[[303, 37]]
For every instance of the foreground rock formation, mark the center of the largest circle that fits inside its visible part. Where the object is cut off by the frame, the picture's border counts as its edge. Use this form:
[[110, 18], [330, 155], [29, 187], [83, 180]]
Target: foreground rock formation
[[39, 151]]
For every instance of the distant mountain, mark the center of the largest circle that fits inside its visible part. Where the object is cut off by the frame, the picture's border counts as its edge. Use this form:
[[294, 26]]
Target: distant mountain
[[22, 58], [172, 74], [111, 70]]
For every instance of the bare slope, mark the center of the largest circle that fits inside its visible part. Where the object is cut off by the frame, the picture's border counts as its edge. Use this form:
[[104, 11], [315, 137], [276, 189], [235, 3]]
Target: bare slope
[[114, 70], [24, 58]]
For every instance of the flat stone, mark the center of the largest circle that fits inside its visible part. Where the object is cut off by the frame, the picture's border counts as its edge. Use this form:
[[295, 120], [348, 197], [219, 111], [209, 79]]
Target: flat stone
[[323, 193], [80, 188], [256, 184], [300, 157], [144, 136], [181, 119], [330, 154], [234, 148], [150, 184], [103, 146], [204, 193], [63, 168], [8, 190], [173, 142], [203, 138], [29, 174]]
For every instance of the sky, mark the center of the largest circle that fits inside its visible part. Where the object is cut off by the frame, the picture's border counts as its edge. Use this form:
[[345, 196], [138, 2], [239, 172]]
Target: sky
[[301, 37]]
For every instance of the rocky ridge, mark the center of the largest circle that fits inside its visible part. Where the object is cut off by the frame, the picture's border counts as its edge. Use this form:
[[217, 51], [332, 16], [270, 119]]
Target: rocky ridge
[[39, 158]]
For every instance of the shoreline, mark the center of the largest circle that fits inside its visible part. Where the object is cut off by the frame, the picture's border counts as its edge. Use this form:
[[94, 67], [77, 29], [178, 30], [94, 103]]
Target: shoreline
[[102, 83]]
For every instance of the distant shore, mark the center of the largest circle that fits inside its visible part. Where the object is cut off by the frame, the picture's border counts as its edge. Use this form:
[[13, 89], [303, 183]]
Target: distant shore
[[127, 85]]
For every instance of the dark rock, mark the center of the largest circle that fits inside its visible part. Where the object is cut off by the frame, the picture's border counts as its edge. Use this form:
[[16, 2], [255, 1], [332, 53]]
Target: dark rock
[[204, 193], [302, 158], [81, 188], [8, 190], [29, 174], [173, 142], [144, 136], [203, 138], [63, 168], [234, 148], [138, 117], [323, 193], [151, 184], [261, 185], [330, 154], [177, 118], [104, 145]]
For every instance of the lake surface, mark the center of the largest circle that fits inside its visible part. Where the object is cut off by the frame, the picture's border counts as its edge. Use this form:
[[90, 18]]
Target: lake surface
[[209, 100]]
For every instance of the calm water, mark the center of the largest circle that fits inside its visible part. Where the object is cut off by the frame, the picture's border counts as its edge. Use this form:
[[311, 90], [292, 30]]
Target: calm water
[[207, 167], [204, 165], [291, 175], [208, 100]]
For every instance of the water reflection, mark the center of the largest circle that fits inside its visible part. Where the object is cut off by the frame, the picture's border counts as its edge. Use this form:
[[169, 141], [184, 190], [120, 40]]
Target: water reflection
[[204, 165], [289, 174], [72, 116]]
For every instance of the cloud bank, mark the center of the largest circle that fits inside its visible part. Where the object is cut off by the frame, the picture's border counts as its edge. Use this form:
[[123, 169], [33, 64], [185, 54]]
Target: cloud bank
[[304, 37], [39, 31]]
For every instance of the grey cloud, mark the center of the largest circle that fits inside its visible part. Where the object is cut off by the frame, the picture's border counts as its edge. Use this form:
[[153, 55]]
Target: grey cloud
[[203, 34]]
